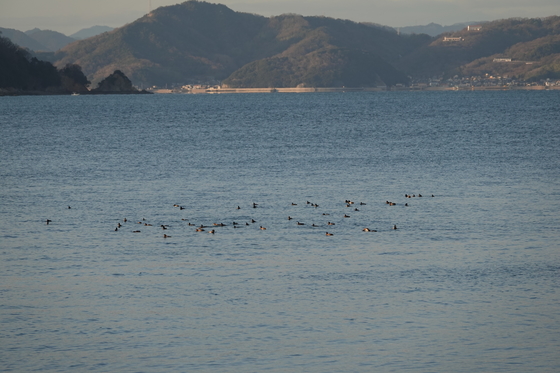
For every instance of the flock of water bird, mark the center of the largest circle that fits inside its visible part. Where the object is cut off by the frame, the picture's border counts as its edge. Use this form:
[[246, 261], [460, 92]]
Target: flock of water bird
[[214, 227]]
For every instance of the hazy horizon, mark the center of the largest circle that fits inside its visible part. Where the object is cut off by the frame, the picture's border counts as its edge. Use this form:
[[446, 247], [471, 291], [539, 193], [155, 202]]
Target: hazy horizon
[[70, 16]]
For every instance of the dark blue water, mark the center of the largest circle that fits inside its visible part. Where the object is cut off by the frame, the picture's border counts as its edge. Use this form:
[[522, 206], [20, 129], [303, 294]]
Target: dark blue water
[[469, 282]]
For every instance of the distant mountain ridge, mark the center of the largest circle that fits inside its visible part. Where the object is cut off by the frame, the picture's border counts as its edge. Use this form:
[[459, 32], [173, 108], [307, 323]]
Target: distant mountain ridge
[[52, 40], [39, 40], [22, 39], [434, 29], [199, 42], [90, 31]]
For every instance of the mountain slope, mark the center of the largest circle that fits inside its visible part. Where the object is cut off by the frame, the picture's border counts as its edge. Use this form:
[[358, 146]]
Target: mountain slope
[[533, 60], [190, 41], [329, 53], [495, 38]]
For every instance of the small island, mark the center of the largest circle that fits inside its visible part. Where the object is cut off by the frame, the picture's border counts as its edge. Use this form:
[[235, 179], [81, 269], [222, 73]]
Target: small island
[[116, 83]]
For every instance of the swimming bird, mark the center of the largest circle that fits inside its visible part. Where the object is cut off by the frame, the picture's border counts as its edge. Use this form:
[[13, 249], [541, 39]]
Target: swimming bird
[[346, 216], [135, 231], [48, 221], [253, 221], [329, 234], [166, 236], [116, 229], [263, 228], [289, 218], [239, 208], [329, 223], [212, 231], [395, 226], [125, 220], [69, 207], [199, 230], [294, 204], [298, 223], [163, 226]]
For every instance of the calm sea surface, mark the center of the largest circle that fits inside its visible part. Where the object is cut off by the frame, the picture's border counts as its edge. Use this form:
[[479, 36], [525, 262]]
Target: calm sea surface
[[469, 282]]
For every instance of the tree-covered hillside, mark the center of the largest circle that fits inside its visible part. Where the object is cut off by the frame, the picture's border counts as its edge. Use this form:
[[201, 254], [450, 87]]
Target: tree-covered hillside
[[504, 38], [20, 73], [198, 42]]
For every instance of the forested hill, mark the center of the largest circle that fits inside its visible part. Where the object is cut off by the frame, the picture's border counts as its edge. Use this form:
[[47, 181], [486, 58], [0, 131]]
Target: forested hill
[[22, 74], [199, 42], [531, 44]]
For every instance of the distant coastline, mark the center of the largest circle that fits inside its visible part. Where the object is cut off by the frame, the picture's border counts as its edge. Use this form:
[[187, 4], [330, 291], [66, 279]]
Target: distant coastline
[[218, 90], [18, 92]]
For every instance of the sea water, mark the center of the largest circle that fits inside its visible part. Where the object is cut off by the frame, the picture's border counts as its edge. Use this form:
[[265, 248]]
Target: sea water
[[468, 282]]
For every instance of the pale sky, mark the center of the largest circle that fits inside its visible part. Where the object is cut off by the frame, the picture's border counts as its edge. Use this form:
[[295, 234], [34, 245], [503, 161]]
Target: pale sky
[[69, 16]]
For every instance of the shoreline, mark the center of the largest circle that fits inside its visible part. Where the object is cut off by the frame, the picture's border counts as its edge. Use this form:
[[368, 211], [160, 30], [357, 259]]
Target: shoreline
[[346, 89], [9, 92], [4, 92]]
